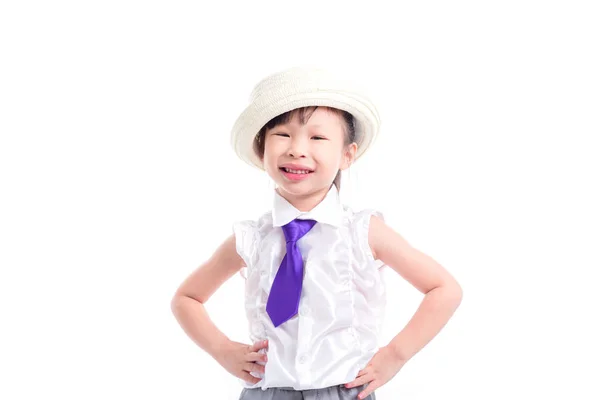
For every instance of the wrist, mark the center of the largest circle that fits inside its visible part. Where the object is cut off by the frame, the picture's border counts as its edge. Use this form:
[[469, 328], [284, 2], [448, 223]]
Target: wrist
[[218, 347], [398, 352]]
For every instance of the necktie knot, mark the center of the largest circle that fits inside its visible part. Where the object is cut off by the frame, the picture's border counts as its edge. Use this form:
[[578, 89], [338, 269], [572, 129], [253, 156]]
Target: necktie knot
[[295, 229]]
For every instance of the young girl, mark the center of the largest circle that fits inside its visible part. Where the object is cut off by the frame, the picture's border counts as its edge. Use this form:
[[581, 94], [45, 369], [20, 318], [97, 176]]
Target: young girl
[[314, 292]]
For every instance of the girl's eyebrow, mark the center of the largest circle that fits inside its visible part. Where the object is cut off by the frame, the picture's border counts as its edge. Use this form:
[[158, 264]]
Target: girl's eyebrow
[[277, 127], [317, 129]]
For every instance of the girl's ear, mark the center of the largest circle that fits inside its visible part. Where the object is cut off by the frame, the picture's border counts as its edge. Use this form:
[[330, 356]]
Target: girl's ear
[[349, 155]]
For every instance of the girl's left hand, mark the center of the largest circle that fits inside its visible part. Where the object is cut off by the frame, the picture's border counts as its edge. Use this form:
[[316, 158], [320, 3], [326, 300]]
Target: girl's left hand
[[384, 365]]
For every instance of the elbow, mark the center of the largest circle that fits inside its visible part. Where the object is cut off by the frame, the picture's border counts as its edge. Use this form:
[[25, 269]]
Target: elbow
[[455, 293], [176, 302], [452, 292], [181, 300]]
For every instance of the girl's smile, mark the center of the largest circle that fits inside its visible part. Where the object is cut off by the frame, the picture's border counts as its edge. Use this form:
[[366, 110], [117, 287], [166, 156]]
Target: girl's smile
[[295, 172], [295, 176]]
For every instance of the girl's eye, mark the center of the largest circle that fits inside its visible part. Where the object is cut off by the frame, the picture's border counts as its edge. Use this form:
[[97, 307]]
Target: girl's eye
[[287, 135]]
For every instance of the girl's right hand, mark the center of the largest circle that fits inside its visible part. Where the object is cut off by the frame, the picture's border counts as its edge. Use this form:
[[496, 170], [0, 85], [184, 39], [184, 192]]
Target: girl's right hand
[[240, 359]]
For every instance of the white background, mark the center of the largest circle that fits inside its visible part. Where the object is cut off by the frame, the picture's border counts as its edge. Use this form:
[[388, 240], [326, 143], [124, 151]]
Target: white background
[[117, 181]]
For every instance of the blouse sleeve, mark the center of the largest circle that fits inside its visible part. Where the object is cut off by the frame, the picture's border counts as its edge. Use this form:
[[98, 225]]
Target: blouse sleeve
[[363, 220], [246, 240]]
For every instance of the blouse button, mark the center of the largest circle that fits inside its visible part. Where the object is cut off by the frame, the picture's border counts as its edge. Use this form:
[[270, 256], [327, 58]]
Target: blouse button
[[303, 359], [304, 311], [263, 272]]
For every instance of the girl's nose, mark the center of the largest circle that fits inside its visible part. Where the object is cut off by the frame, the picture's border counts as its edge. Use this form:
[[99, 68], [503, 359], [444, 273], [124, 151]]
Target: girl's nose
[[297, 148]]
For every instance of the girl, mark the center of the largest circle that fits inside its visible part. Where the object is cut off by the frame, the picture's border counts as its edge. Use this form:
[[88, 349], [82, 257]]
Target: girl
[[314, 291]]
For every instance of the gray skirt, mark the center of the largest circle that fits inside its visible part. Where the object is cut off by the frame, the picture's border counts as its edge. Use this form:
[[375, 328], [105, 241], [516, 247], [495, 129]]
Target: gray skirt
[[338, 392]]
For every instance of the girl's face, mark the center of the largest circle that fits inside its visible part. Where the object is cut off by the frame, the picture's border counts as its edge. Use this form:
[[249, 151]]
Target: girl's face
[[304, 159]]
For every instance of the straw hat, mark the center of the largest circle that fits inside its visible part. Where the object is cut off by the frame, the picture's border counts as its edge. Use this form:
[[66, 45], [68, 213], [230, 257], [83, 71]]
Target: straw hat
[[301, 87]]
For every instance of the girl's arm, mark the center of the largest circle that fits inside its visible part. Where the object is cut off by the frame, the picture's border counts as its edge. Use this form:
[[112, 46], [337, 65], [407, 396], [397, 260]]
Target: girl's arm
[[442, 292], [188, 302]]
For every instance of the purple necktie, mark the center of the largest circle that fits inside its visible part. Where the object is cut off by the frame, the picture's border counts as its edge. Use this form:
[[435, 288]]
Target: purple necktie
[[285, 293]]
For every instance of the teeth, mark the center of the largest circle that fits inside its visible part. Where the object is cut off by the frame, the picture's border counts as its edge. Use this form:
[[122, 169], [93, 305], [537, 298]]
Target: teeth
[[294, 171]]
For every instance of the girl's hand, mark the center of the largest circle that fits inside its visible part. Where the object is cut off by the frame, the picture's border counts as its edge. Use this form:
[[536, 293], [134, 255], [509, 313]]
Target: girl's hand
[[383, 366], [240, 359]]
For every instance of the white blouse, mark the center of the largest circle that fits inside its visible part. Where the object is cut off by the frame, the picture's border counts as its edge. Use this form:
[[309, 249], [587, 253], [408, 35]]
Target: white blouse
[[337, 329]]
